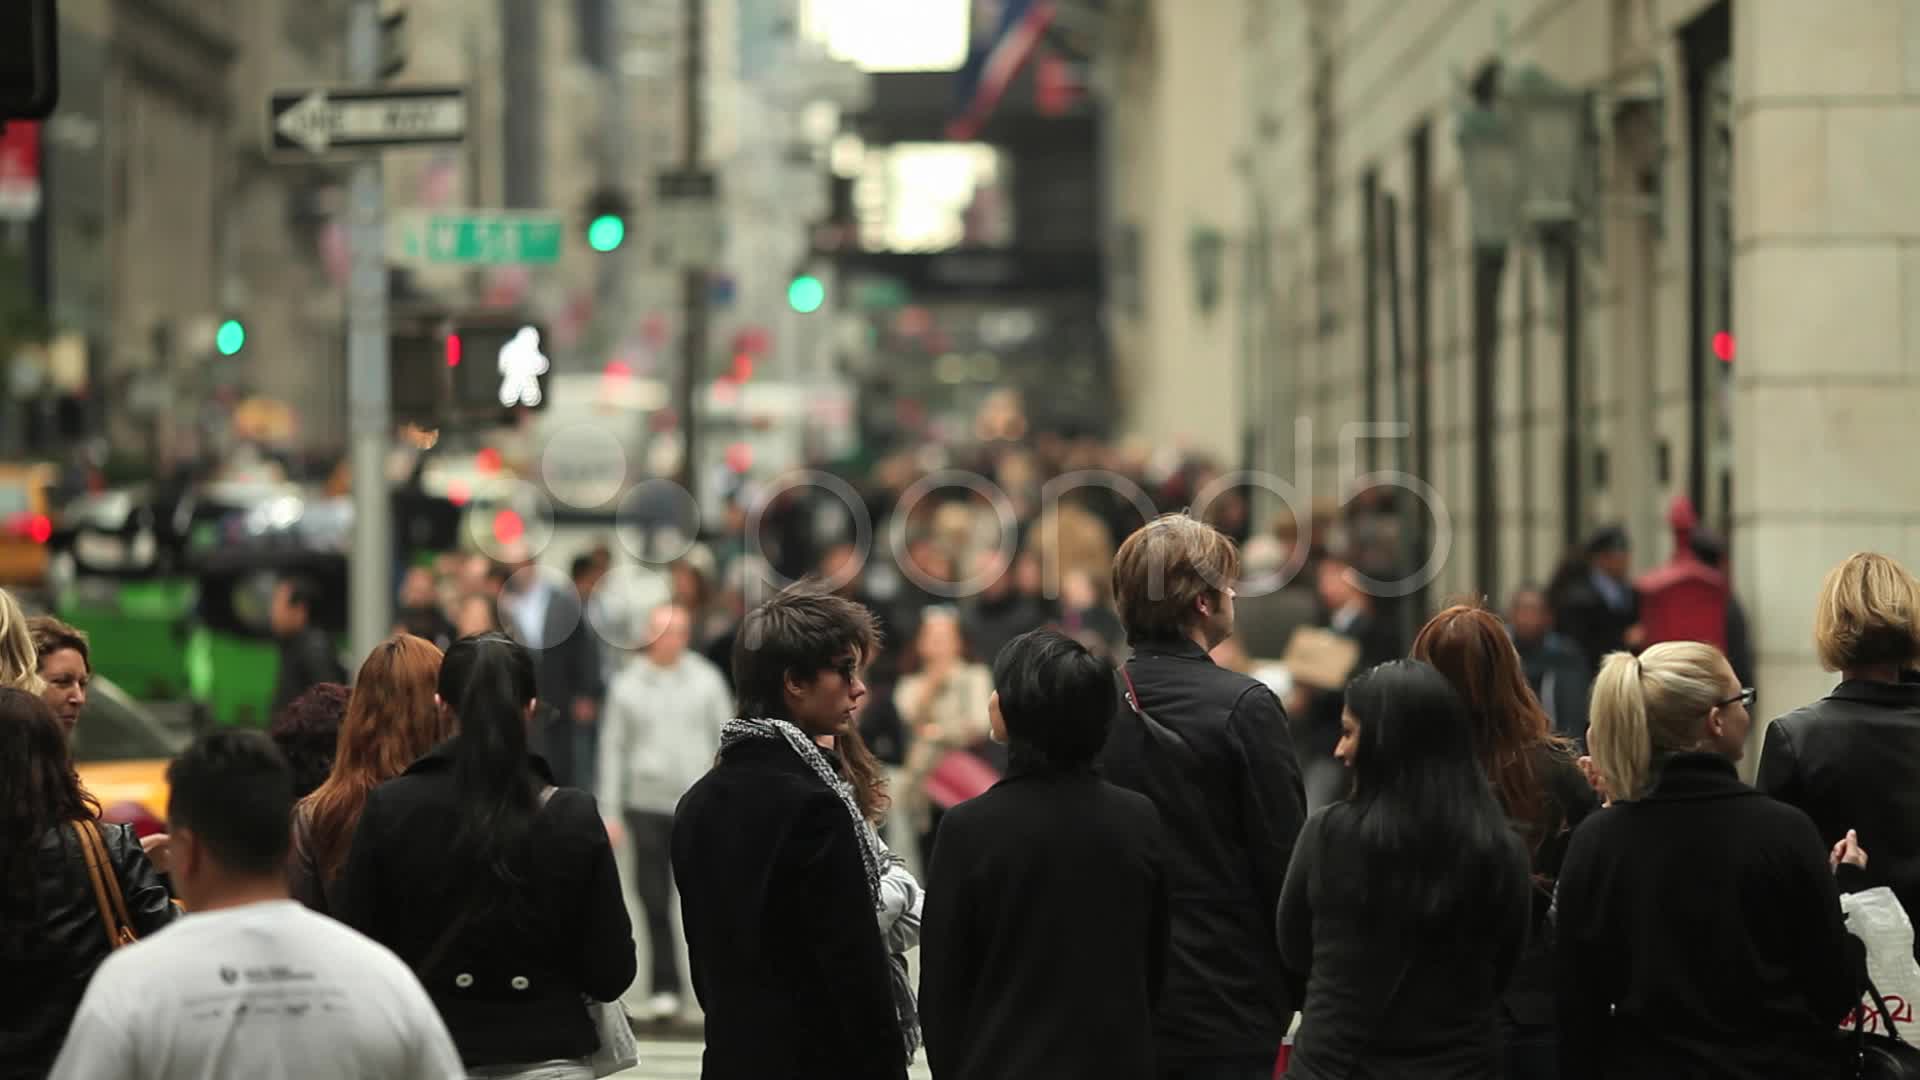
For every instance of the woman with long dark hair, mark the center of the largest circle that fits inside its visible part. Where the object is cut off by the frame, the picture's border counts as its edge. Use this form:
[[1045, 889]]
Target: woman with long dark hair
[[1539, 787], [1405, 906], [393, 719], [497, 888], [51, 934]]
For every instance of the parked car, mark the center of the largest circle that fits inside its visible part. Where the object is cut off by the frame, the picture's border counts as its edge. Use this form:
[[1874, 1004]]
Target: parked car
[[122, 751]]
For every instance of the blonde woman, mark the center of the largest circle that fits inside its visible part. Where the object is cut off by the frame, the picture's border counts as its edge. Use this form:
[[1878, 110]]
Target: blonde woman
[[1852, 759], [1698, 921], [19, 662]]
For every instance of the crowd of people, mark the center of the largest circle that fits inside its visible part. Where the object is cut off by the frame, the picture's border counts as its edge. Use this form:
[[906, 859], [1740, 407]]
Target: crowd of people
[[1128, 830]]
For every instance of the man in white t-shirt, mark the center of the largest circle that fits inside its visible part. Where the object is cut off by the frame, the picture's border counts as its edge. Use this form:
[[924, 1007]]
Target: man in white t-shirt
[[251, 984]]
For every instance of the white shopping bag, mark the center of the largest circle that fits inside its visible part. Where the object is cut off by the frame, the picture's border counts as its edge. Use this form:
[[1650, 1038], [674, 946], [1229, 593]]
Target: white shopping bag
[[1877, 918]]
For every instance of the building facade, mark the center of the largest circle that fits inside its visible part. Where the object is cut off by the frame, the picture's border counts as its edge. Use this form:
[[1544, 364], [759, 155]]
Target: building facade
[[1739, 277]]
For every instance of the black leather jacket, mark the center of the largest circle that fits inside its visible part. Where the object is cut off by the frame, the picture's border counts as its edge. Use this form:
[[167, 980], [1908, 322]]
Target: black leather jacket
[[49, 950]]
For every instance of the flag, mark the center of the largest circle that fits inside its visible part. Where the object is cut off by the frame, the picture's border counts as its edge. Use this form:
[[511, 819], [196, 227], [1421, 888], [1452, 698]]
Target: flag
[[1005, 35]]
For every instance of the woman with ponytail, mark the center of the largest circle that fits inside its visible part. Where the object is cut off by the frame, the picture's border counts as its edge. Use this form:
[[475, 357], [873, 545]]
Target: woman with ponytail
[[1698, 921], [499, 889]]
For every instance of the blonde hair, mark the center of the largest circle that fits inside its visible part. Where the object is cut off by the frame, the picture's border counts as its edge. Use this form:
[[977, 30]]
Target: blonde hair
[[1164, 567], [1654, 703], [19, 661], [1868, 613]]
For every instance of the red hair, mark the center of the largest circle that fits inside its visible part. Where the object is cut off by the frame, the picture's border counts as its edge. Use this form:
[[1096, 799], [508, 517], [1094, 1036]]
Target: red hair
[[1471, 647], [392, 720]]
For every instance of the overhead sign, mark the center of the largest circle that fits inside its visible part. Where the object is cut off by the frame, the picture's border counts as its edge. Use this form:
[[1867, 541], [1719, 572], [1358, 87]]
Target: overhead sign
[[475, 237], [318, 122]]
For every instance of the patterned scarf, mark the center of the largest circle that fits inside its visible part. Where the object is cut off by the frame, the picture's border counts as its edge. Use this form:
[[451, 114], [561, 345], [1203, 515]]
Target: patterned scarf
[[874, 854]]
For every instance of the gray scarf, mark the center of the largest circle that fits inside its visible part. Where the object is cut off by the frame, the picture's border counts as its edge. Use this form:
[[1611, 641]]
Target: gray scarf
[[874, 854]]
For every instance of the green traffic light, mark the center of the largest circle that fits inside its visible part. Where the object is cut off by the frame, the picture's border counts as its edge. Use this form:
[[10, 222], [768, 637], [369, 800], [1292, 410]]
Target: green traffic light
[[806, 294], [606, 232], [230, 337]]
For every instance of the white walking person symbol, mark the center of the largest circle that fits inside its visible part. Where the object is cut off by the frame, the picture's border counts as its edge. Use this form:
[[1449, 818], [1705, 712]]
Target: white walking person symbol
[[521, 365]]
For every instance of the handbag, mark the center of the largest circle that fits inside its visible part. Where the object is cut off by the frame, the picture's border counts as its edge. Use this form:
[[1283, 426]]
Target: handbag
[[959, 775], [1880, 1057], [618, 1049], [106, 885]]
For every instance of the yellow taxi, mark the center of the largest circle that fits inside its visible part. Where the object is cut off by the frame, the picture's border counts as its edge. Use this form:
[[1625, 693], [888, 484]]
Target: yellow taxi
[[122, 753], [26, 523]]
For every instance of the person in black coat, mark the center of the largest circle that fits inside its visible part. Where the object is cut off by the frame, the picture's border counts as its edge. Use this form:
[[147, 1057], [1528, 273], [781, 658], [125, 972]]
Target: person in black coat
[[1406, 904], [51, 937], [307, 655], [572, 686], [1540, 789], [1593, 602], [1048, 893], [497, 888], [1852, 759], [778, 870], [1698, 921], [1211, 749]]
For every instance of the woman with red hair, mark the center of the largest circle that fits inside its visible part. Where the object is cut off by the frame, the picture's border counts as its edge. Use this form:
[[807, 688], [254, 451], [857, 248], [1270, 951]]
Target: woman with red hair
[[392, 720], [1540, 787]]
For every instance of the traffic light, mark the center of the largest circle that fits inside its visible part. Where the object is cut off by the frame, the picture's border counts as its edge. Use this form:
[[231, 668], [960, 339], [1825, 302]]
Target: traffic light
[[605, 217], [230, 338], [473, 369], [806, 293]]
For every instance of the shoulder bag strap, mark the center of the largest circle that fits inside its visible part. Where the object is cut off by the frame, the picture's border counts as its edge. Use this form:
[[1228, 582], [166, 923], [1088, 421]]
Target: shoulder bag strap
[[114, 920]]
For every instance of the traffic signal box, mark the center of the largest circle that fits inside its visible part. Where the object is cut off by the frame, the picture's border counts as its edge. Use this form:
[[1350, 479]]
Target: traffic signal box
[[469, 370]]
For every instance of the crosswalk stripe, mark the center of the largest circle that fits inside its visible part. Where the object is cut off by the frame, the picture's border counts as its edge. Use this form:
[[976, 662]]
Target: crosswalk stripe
[[679, 1059]]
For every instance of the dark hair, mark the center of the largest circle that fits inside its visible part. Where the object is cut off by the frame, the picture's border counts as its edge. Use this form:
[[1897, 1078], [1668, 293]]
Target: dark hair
[[1708, 546], [863, 771], [302, 591], [488, 680], [1433, 840], [1607, 539], [307, 731], [1471, 648], [582, 566], [1056, 697], [39, 792], [50, 635], [233, 789], [801, 631]]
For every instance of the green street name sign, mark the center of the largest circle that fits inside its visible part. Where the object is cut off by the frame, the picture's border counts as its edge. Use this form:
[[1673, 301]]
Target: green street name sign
[[475, 238]]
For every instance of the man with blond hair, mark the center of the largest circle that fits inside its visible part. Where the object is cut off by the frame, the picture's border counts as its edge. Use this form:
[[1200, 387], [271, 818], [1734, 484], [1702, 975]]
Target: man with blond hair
[[1211, 749]]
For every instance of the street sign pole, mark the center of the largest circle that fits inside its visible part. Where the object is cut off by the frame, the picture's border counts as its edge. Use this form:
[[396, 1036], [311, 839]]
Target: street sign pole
[[694, 286], [370, 586]]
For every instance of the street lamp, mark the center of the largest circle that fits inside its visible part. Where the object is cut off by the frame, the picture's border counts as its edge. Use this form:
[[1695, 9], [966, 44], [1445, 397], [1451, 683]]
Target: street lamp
[[1550, 122], [1492, 174]]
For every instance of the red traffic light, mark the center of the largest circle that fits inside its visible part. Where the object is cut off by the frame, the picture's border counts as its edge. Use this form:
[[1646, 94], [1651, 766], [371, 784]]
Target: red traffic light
[[1723, 347], [453, 350]]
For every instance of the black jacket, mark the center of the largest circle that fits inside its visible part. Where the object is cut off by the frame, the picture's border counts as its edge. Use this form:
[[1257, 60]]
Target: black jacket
[[1383, 998], [1217, 761], [510, 978], [1568, 800], [1044, 937], [1581, 612], [1700, 935], [307, 659], [49, 950], [1852, 761], [782, 934]]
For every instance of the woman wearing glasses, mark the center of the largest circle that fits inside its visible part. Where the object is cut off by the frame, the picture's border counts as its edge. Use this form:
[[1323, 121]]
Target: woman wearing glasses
[[1852, 759], [1698, 920]]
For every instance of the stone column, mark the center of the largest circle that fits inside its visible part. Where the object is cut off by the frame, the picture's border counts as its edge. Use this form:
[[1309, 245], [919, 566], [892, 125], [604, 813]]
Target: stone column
[[1827, 312]]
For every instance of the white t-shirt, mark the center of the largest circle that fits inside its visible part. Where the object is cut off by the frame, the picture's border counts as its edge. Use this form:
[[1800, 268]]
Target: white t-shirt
[[268, 991]]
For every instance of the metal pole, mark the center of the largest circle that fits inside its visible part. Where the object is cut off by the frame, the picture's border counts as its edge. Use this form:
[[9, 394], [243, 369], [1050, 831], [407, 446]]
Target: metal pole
[[1571, 477], [1407, 606], [371, 582], [694, 298]]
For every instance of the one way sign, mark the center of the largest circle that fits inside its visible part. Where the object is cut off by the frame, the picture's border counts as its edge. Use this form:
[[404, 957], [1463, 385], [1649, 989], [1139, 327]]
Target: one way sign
[[323, 122]]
